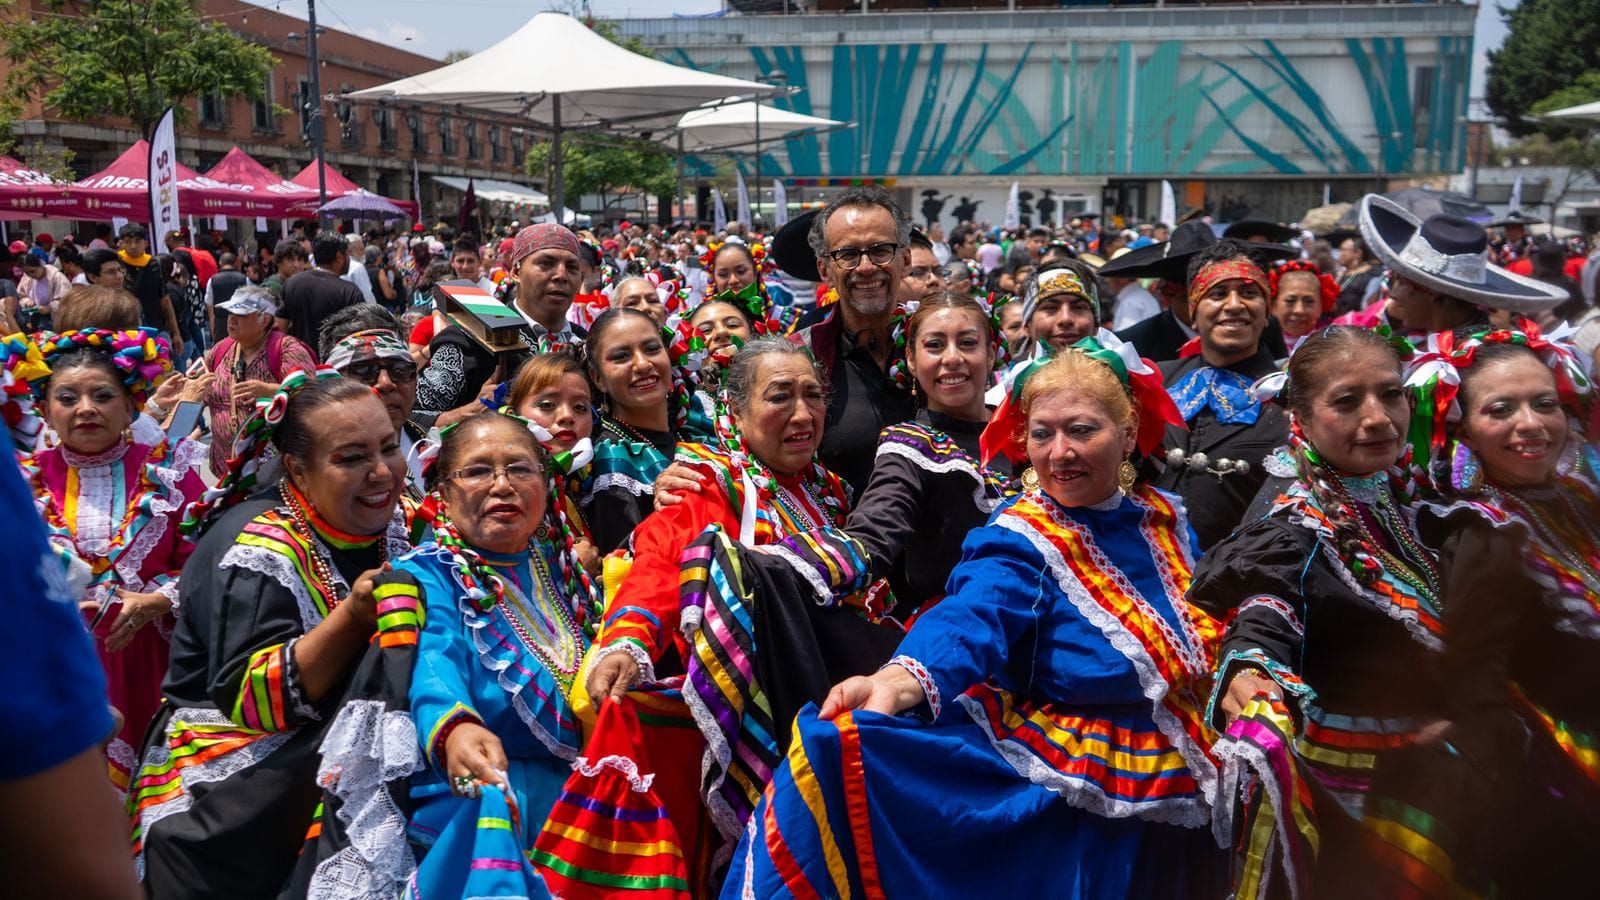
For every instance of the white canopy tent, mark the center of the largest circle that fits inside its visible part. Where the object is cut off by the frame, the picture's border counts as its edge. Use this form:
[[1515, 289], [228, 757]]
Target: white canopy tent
[[1581, 111], [730, 126], [496, 191], [724, 127], [556, 72]]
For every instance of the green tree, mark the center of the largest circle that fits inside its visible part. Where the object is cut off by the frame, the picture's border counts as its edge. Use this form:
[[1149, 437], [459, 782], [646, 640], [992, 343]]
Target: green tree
[[83, 59], [607, 169], [456, 55], [1551, 44]]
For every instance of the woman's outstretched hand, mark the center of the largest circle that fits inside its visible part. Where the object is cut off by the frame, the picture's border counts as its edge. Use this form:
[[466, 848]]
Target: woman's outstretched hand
[[891, 691], [612, 677]]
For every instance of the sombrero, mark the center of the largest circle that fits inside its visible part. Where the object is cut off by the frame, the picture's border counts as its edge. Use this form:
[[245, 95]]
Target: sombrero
[[1450, 255], [1274, 233], [791, 248], [1170, 259]]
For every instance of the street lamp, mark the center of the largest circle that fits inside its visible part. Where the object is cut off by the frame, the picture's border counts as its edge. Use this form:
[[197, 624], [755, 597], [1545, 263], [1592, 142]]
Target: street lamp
[[314, 109]]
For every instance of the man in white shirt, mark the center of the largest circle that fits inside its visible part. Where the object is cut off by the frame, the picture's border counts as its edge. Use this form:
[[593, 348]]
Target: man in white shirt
[[1133, 303], [467, 265], [356, 270]]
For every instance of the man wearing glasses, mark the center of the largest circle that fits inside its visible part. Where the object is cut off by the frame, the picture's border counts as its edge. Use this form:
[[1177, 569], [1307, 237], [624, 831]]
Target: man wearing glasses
[[924, 278], [862, 243], [364, 342]]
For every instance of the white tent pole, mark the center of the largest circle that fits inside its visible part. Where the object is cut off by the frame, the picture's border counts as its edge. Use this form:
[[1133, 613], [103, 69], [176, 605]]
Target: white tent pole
[[682, 205], [559, 194], [756, 214]]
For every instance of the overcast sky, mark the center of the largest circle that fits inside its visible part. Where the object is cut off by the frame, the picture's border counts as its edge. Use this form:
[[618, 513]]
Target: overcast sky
[[435, 27]]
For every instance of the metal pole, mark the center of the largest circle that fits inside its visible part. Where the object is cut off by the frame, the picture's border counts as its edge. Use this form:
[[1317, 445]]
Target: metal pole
[[559, 191], [683, 205], [755, 212], [317, 142]]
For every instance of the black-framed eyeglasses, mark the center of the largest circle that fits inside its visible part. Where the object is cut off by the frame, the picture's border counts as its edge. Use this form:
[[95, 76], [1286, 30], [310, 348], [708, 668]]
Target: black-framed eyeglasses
[[368, 373], [922, 273], [850, 257]]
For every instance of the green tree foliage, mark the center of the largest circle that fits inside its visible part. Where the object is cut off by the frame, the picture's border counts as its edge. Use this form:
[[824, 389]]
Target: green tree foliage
[[606, 169], [1551, 45], [83, 59]]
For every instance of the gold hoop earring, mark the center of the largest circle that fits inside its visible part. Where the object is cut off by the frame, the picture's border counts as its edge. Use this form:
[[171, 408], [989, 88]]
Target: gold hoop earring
[[1126, 476], [1030, 479]]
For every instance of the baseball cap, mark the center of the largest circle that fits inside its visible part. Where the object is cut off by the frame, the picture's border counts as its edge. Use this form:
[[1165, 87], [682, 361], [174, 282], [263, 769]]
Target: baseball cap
[[44, 239], [18, 247], [246, 301]]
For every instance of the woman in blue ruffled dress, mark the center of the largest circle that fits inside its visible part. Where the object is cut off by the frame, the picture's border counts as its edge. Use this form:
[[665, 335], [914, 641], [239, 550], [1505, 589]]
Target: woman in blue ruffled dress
[[1055, 743]]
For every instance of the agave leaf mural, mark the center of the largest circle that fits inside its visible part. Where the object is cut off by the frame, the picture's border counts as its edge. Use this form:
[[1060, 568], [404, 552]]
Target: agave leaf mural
[[1110, 109]]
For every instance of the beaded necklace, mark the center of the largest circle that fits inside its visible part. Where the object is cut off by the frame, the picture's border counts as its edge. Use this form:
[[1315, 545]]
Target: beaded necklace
[[312, 529], [560, 647], [625, 431], [1552, 537], [1425, 581]]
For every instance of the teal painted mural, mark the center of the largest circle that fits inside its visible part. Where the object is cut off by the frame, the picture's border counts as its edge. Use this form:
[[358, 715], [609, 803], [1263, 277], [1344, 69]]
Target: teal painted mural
[[1117, 110]]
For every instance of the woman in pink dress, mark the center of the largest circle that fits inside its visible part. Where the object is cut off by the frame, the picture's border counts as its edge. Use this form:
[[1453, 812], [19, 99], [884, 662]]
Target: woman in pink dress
[[115, 502]]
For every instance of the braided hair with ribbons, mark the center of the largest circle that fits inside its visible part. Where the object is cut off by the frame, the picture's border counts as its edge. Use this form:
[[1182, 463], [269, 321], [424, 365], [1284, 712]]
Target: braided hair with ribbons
[[256, 434]]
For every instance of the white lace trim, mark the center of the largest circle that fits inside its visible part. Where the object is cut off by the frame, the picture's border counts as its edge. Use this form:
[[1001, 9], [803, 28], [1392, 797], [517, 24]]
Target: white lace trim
[[629, 769], [1243, 764], [807, 572], [122, 753], [1276, 605], [365, 748], [212, 770], [1155, 687], [1085, 794], [930, 689], [280, 569], [647, 669], [625, 482], [1279, 464], [980, 494]]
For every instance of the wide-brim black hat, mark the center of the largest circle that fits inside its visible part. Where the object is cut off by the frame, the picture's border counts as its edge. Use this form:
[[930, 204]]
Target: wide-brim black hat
[[1169, 259], [1445, 254], [1248, 228], [791, 248], [1516, 217]]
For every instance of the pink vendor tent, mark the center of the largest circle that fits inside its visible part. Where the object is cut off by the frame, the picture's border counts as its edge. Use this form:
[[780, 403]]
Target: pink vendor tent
[[289, 200], [120, 190], [28, 193], [340, 186]]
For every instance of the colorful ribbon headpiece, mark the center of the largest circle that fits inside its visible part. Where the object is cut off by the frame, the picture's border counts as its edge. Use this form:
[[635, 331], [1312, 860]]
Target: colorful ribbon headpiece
[[1141, 378], [1057, 281], [1434, 378], [141, 355], [374, 343], [1227, 270], [21, 364], [249, 446]]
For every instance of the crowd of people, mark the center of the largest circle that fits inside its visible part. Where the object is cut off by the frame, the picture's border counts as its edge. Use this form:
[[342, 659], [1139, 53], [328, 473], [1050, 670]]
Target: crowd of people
[[846, 559]]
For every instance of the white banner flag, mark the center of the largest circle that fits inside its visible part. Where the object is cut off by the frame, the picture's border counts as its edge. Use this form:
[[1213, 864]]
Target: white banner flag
[[1516, 194], [163, 180], [719, 214], [743, 195], [1013, 208], [1169, 205], [780, 204]]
